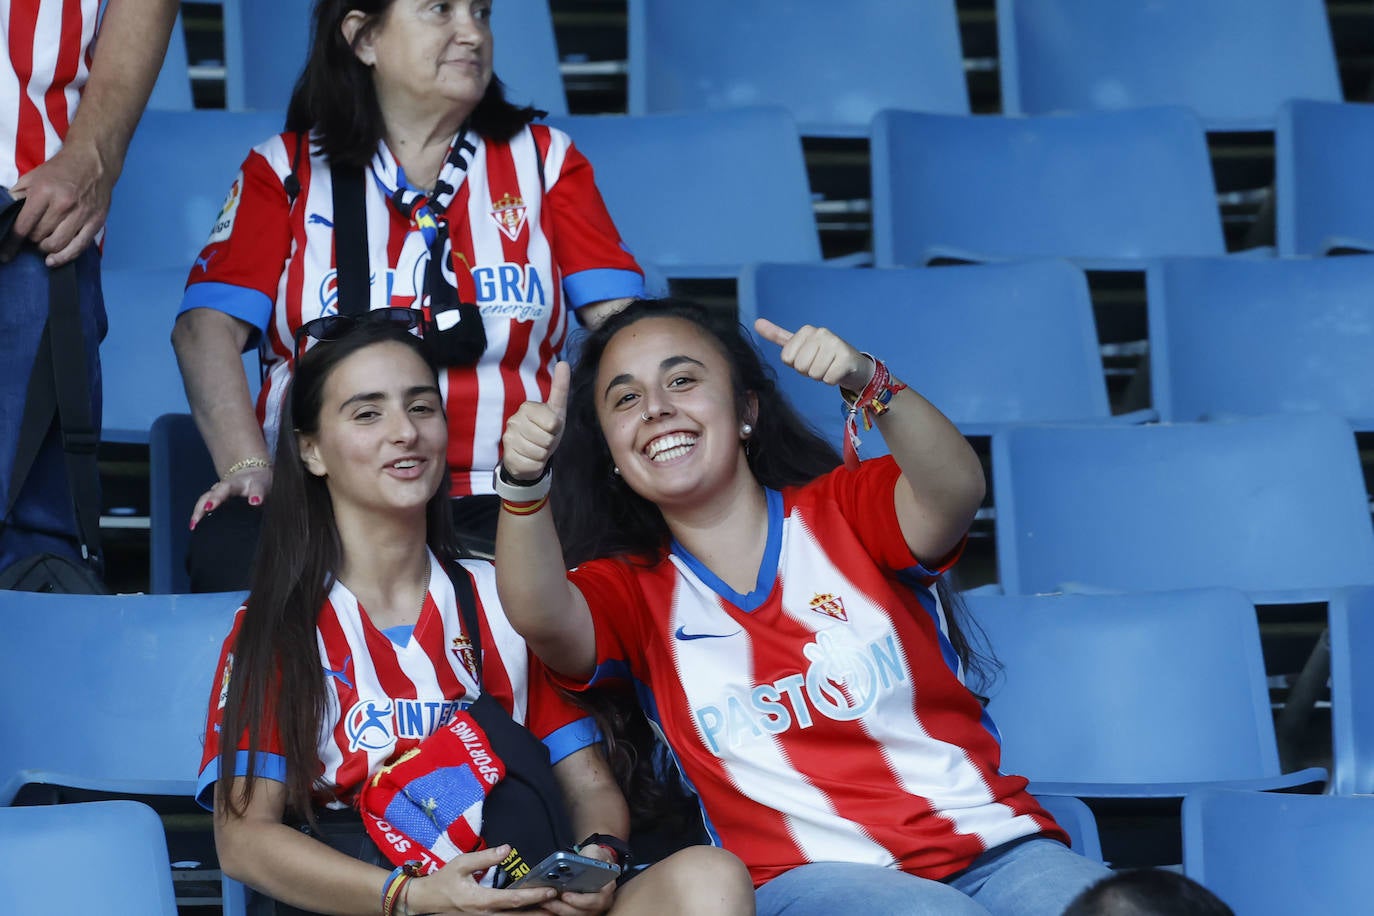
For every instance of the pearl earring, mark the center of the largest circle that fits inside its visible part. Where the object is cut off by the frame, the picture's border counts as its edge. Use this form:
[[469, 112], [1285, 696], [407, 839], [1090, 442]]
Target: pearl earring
[[746, 430], [615, 471]]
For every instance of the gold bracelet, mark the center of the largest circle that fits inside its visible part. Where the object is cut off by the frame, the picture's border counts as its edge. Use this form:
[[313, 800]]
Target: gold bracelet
[[243, 464]]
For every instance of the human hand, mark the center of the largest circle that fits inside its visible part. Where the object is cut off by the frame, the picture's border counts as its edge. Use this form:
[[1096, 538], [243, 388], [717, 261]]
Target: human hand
[[66, 201], [534, 431], [453, 889], [250, 483], [820, 354], [591, 904]]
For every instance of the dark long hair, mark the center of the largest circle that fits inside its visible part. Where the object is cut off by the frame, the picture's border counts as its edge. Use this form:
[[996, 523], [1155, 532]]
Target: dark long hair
[[335, 97], [276, 666], [598, 515]]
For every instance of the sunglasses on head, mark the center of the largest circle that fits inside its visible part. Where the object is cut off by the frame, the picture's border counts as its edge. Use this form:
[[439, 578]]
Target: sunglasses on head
[[333, 327]]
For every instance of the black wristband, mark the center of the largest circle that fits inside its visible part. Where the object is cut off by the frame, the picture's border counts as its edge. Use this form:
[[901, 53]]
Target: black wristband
[[615, 844]]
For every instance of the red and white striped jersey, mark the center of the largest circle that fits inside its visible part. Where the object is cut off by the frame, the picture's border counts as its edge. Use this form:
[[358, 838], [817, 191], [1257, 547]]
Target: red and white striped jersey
[[822, 716], [384, 698], [47, 62], [524, 249]]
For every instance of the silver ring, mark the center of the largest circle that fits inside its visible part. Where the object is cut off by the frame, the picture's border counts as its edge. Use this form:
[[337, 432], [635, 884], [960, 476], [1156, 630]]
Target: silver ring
[[645, 416]]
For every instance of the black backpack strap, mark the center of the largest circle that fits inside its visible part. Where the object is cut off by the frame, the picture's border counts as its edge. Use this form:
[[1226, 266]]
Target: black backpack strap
[[467, 605], [350, 240], [60, 384]]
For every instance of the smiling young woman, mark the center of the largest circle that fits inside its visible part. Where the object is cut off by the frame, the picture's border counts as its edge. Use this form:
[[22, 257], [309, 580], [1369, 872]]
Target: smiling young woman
[[783, 619]]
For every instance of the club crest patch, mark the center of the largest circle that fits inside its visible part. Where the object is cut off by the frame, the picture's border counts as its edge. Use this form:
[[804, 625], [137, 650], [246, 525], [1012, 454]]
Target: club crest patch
[[509, 213], [463, 651], [830, 606]]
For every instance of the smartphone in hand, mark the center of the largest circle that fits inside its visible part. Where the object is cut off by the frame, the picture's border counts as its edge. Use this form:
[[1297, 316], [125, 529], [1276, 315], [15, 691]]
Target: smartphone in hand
[[567, 871]]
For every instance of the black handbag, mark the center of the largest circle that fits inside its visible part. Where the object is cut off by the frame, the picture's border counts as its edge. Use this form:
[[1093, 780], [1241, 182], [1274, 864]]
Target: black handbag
[[525, 809]]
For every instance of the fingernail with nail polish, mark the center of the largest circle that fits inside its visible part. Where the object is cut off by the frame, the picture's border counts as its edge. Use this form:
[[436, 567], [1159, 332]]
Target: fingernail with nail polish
[[254, 500], [209, 506]]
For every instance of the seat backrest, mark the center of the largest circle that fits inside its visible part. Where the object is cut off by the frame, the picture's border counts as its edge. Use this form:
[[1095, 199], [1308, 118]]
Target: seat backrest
[[1322, 180], [832, 69], [124, 682], [1351, 618], [179, 470], [1078, 822], [1268, 504], [1217, 58], [117, 848], [138, 368], [267, 43], [701, 194], [172, 91], [988, 344], [1159, 687], [1272, 853], [1113, 185], [1242, 336], [178, 169]]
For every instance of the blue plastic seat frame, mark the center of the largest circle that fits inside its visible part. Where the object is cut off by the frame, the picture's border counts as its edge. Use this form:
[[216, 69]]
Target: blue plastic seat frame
[[699, 195], [1322, 180], [1351, 629], [1274, 506], [1143, 695], [1219, 58], [1271, 854], [116, 850], [832, 72], [1105, 190], [1243, 337]]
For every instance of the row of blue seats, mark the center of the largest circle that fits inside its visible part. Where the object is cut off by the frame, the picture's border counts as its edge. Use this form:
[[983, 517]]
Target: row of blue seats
[[1156, 696], [1261, 853], [1231, 61], [1103, 189]]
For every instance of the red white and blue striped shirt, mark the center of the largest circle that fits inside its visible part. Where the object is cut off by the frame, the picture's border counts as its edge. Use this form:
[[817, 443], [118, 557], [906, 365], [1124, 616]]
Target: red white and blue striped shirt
[[821, 717]]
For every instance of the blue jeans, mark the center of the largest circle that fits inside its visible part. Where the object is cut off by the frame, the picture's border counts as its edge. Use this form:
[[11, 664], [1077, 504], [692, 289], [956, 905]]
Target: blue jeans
[[1037, 877], [43, 519]]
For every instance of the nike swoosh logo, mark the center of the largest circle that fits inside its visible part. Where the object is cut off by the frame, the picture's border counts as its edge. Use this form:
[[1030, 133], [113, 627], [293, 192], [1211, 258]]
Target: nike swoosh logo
[[683, 635]]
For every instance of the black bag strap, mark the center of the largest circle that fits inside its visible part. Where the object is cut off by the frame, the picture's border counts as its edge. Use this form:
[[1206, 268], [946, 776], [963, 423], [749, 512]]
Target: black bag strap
[[59, 384], [350, 240], [467, 605]]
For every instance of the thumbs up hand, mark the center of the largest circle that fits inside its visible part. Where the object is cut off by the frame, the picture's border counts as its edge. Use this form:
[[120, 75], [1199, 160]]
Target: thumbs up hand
[[819, 353], [534, 431]]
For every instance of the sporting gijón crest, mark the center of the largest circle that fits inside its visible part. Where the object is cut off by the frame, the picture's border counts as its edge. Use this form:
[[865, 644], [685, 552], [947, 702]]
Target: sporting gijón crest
[[830, 606], [509, 213]]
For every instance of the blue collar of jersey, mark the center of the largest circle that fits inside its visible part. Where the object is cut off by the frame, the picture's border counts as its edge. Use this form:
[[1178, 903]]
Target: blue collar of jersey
[[768, 568]]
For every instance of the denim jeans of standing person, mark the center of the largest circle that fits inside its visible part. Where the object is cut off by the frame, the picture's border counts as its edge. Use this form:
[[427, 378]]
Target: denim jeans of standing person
[[1036, 877], [43, 519]]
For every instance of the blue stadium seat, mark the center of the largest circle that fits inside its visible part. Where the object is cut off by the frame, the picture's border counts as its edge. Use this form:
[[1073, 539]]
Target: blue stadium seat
[[265, 46], [1275, 855], [1232, 61], [1323, 184], [172, 91], [833, 69], [176, 175], [989, 344], [267, 42], [131, 675], [1078, 822], [1274, 506], [107, 857], [701, 194], [1351, 617], [1144, 695], [1234, 337], [179, 470], [138, 367], [1104, 189]]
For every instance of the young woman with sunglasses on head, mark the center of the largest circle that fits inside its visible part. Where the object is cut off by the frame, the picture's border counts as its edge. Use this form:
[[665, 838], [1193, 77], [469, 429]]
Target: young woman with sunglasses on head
[[352, 654], [471, 210], [783, 619]]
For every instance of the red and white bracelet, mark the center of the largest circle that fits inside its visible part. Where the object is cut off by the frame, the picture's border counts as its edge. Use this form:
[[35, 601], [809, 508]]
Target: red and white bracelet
[[872, 402]]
